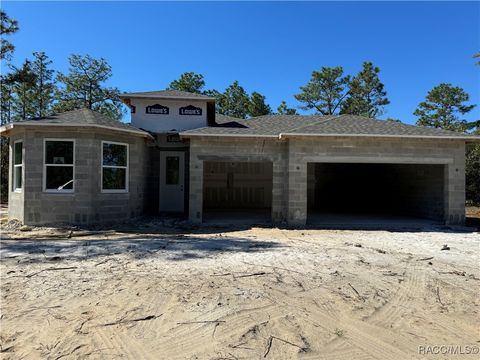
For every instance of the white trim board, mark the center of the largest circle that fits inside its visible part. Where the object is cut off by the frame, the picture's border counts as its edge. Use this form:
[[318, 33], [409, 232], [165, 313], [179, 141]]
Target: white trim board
[[44, 175], [127, 172]]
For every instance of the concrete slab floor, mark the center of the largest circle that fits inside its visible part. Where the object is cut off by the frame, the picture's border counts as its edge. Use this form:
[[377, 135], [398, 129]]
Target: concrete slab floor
[[367, 221], [237, 217]]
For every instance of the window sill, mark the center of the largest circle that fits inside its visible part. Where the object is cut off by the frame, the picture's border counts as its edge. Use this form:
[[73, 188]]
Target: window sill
[[18, 191], [114, 191], [59, 192]]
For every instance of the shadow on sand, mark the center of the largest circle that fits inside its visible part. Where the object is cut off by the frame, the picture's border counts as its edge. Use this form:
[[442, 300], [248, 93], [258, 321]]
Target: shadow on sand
[[175, 248]]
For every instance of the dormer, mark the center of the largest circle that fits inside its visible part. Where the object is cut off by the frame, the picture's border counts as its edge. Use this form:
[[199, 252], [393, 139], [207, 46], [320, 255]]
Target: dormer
[[169, 111]]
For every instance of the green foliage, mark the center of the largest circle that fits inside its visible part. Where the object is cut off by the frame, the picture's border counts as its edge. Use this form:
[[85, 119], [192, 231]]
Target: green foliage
[[82, 87], [325, 92], [472, 173], [190, 82], [366, 96], [477, 56], [283, 109], [217, 95], [234, 101], [8, 26], [6, 98], [257, 105], [44, 85], [393, 120], [23, 83], [442, 107]]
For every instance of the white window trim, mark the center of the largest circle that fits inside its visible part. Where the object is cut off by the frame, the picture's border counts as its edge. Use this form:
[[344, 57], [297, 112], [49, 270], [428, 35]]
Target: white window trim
[[127, 174], [20, 189], [56, 191]]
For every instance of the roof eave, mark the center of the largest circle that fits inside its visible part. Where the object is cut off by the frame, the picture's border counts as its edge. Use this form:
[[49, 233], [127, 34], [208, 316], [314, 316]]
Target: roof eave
[[8, 127], [152, 97], [189, 135], [468, 139], [437, 137], [5, 129]]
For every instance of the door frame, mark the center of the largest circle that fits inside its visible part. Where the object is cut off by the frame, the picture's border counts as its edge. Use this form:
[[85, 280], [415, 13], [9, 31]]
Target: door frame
[[162, 174]]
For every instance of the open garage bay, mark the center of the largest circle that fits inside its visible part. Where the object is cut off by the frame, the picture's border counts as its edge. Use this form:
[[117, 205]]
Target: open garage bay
[[374, 194]]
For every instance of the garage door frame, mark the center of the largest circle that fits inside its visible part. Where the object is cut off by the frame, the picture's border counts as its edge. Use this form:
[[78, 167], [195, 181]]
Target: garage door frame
[[297, 206]]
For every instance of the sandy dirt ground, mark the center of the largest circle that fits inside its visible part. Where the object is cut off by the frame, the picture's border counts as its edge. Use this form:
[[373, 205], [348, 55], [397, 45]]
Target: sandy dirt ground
[[253, 293]]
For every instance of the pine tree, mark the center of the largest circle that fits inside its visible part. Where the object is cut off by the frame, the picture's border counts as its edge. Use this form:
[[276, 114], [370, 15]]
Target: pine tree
[[325, 92], [283, 109], [23, 89], [6, 98], [44, 87], [8, 26], [257, 105], [366, 95], [190, 82], [442, 108], [83, 87], [234, 101]]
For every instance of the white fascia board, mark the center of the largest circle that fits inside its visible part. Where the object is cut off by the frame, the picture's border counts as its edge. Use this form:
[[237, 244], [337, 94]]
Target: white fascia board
[[184, 135], [467, 138], [153, 97]]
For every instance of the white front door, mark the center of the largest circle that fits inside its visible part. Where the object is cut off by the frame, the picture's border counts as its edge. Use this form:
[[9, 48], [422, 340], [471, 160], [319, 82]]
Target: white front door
[[172, 181]]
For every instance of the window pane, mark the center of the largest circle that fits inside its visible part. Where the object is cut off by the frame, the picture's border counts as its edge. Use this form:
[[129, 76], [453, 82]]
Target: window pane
[[114, 154], [172, 171], [114, 179], [59, 177], [17, 177], [59, 152], [18, 153]]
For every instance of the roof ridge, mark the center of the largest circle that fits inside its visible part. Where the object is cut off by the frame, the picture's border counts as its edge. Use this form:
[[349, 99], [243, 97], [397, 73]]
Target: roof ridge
[[88, 114]]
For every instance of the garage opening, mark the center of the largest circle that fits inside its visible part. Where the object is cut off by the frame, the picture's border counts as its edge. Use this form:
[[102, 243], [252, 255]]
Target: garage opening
[[362, 193], [237, 192]]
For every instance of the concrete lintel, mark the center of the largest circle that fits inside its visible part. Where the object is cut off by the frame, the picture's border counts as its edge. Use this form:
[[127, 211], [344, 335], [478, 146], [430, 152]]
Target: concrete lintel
[[235, 158], [379, 160]]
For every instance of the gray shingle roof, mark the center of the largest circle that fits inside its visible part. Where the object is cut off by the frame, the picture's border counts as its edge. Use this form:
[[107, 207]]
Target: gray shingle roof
[[341, 125], [82, 117], [225, 119], [167, 94]]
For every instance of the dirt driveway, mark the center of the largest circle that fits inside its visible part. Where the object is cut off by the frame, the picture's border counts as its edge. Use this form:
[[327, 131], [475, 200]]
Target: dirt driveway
[[261, 293]]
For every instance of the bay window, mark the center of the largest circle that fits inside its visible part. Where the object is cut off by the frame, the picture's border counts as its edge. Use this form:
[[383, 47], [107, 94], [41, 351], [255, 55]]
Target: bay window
[[18, 165], [114, 167], [58, 165]]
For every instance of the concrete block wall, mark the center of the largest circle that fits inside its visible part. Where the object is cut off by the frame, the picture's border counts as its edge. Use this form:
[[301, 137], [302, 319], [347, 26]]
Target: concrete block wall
[[291, 158], [237, 150], [421, 190], [454, 185], [87, 204], [114, 207], [153, 180], [304, 150]]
